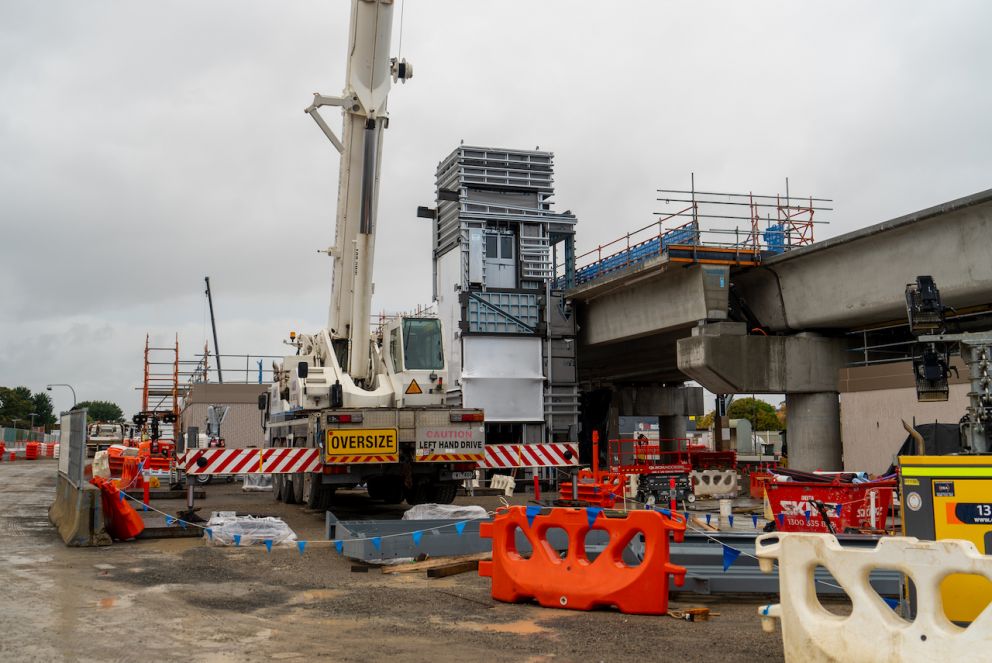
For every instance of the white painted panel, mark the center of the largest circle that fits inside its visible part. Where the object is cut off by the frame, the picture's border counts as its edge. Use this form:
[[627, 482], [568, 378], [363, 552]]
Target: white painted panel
[[476, 254], [503, 377], [449, 311]]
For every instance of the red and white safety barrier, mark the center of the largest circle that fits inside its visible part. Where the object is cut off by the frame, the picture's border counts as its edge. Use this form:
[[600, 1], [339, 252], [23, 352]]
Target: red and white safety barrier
[[557, 454], [251, 461]]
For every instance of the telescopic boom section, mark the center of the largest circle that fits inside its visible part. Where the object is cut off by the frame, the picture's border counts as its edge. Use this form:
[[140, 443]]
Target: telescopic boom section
[[363, 105]]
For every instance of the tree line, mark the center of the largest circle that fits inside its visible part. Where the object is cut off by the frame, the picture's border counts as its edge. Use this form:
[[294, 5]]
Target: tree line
[[17, 404]]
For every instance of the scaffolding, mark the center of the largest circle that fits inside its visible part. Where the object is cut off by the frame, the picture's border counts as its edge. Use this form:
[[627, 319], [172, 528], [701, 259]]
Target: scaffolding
[[708, 227]]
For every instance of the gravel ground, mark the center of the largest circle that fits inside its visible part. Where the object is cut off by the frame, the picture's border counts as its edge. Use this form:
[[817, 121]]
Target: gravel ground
[[182, 599]]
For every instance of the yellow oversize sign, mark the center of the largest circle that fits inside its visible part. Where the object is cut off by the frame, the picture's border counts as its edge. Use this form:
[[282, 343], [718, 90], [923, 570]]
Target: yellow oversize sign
[[362, 441]]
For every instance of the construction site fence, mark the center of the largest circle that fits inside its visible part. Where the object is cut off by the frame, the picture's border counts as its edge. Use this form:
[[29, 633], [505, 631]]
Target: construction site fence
[[72, 452], [17, 437]]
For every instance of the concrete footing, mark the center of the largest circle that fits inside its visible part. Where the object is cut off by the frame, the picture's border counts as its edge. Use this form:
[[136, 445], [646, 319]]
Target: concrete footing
[[77, 513]]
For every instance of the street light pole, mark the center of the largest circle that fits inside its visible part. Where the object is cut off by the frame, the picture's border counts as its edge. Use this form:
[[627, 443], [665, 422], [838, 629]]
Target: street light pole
[[32, 415], [49, 387]]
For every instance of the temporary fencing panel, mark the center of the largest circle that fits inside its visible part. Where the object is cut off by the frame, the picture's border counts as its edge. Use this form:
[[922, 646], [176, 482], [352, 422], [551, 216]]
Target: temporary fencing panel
[[873, 631], [573, 581], [281, 460]]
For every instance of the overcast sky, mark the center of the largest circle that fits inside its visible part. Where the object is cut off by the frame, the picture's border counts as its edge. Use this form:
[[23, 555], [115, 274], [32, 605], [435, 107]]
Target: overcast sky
[[144, 145]]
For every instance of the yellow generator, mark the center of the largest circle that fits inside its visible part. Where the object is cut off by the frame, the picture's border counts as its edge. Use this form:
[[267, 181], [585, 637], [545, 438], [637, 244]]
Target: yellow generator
[[950, 497]]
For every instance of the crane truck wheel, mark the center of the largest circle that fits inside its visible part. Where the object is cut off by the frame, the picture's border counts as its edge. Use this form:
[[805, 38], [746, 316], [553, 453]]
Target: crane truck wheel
[[418, 494], [298, 488], [393, 491], [443, 493], [326, 496], [277, 487], [288, 494], [311, 490]]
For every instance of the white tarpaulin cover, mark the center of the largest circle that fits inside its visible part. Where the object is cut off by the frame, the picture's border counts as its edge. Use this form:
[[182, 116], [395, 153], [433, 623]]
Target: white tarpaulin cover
[[503, 376], [444, 512], [225, 526]]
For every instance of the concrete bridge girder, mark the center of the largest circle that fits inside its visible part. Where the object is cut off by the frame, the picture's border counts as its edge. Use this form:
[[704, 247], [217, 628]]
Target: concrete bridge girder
[[858, 278], [650, 299]]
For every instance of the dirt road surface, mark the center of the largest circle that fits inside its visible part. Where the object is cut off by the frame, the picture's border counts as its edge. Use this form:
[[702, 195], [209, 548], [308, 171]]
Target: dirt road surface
[[182, 600]]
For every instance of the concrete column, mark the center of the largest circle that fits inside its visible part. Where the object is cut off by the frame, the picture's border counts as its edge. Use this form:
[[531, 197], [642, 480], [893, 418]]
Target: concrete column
[[671, 427], [814, 431]]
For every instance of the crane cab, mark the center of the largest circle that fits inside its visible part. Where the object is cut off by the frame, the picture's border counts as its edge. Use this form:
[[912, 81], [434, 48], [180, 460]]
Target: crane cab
[[413, 355]]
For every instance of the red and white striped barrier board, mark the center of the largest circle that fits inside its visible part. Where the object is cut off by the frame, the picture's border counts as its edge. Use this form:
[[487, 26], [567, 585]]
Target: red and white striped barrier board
[[250, 461], [531, 455]]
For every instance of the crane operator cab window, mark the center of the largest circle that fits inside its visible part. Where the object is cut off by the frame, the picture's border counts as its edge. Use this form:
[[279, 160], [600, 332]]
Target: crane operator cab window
[[422, 346]]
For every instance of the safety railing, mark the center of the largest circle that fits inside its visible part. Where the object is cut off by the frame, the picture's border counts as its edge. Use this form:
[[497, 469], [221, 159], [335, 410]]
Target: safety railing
[[770, 226], [676, 455]]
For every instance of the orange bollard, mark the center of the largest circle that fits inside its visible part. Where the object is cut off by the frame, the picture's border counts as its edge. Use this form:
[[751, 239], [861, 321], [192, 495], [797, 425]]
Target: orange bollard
[[573, 581]]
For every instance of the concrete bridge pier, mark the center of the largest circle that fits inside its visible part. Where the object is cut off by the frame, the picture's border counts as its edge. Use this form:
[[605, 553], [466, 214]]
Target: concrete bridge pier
[[814, 431], [726, 360], [671, 404]]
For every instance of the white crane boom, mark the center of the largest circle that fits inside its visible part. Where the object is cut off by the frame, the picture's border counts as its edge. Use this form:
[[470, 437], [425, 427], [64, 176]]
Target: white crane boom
[[363, 105]]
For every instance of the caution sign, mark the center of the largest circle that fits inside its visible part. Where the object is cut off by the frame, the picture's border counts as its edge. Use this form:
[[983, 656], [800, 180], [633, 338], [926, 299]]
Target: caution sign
[[354, 441], [414, 388], [446, 440]]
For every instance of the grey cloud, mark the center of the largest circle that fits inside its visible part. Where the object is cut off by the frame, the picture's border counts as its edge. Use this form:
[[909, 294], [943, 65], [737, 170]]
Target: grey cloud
[[147, 144]]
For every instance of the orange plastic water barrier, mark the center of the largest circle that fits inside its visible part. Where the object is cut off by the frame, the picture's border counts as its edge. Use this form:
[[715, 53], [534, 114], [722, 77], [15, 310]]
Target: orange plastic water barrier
[[572, 580], [121, 520], [598, 488], [130, 473], [32, 450]]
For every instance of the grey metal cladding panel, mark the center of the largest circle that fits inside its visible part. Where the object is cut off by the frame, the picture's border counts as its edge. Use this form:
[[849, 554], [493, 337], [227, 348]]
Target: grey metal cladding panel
[[499, 313], [525, 199], [563, 348], [447, 227], [559, 323], [563, 370]]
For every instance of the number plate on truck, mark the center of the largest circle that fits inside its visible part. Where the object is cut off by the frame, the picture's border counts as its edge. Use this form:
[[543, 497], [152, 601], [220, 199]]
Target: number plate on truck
[[357, 441]]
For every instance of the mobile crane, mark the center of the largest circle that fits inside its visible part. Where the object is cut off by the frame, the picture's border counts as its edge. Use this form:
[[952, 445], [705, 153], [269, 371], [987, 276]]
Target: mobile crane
[[373, 403]]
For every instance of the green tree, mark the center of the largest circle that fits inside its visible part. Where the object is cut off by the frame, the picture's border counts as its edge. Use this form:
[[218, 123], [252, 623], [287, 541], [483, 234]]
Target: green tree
[[762, 415], [44, 409], [705, 422], [101, 411], [18, 403]]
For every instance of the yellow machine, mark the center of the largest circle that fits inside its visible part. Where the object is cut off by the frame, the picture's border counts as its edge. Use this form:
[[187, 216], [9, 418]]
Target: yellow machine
[[950, 497]]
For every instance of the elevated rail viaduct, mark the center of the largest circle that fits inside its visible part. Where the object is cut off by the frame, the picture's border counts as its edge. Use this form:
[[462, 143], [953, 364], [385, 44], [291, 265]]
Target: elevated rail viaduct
[[768, 324]]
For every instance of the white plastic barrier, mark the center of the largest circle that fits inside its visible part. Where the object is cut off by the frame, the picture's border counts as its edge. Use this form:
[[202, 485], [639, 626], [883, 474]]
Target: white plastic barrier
[[503, 482], [873, 632], [714, 483]]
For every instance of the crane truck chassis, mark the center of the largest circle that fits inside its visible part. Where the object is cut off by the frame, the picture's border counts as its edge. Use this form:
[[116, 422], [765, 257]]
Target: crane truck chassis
[[373, 403], [389, 450]]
